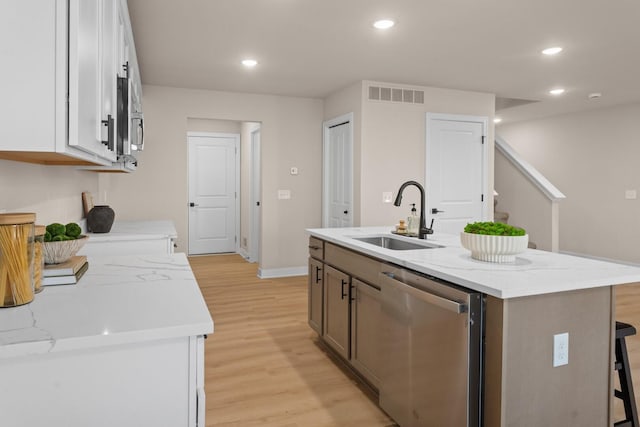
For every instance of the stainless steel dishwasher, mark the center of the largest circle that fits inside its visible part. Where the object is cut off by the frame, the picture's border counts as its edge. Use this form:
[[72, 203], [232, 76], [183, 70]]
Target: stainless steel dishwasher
[[431, 349]]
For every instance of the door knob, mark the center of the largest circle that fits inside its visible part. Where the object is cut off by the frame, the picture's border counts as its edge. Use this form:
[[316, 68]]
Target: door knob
[[346, 212], [435, 211], [193, 204]]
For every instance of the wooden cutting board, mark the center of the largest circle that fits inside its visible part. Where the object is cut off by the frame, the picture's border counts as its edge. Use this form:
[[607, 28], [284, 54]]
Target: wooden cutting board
[[87, 202]]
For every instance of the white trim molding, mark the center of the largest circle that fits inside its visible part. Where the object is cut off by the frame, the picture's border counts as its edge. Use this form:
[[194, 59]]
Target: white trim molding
[[270, 273], [547, 188]]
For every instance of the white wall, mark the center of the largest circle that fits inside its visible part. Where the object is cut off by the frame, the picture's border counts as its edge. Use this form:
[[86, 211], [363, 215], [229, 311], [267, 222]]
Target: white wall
[[592, 157], [54, 193], [527, 206], [290, 137], [211, 125], [390, 139]]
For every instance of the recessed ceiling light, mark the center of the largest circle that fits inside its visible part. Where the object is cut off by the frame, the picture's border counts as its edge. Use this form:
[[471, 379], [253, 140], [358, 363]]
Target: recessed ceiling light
[[497, 120], [384, 24], [558, 91], [552, 50], [249, 63]]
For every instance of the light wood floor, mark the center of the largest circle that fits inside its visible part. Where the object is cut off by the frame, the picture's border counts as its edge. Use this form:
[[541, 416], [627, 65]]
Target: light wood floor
[[265, 367], [263, 364]]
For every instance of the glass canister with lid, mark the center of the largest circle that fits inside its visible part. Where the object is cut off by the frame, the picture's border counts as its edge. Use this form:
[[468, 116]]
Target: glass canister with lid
[[16, 258]]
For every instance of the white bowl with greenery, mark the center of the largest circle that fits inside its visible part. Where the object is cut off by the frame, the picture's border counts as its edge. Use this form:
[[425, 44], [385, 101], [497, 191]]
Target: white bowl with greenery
[[494, 241]]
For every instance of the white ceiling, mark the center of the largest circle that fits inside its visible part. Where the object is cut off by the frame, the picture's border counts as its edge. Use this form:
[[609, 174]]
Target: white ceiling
[[310, 48]]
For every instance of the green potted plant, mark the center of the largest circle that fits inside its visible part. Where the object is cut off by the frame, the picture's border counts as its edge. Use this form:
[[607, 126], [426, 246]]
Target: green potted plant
[[494, 241]]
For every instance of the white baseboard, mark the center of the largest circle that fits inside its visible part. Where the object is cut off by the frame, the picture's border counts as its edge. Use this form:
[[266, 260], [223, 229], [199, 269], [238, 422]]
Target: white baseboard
[[243, 253], [269, 273]]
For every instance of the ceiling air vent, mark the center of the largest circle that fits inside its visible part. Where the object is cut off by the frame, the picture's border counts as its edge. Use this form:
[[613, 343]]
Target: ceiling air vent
[[409, 96]]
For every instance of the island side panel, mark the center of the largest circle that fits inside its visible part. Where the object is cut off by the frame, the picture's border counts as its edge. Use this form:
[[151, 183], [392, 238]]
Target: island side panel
[[520, 370]]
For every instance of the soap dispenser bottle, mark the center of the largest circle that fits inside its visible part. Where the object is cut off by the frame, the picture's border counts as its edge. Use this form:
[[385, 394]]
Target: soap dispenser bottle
[[413, 222]]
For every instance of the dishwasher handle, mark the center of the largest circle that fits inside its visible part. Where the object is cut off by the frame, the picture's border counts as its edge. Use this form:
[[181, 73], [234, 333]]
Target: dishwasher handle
[[425, 296]]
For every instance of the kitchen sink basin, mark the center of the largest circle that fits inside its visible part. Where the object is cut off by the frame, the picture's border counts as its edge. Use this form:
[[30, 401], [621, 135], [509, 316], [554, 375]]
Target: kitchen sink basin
[[396, 244]]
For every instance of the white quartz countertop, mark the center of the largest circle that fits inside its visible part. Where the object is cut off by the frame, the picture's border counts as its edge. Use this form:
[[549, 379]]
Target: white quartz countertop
[[535, 272], [136, 230], [119, 300]]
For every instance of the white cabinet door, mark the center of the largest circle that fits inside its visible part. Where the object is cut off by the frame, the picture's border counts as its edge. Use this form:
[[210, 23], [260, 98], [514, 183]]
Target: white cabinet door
[[130, 385], [90, 42], [30, 73], [105, 247], [108, 60]]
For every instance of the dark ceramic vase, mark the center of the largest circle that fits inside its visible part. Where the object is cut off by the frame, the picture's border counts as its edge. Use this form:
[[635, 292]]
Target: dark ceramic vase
[[100, 219]]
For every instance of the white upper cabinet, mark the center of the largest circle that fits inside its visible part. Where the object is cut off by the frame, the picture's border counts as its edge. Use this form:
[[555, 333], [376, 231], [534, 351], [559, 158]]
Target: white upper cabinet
[[60, 80]]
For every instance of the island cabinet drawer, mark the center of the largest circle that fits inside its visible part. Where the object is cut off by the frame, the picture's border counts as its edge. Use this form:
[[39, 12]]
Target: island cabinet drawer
[[356, 265], [316, 248]]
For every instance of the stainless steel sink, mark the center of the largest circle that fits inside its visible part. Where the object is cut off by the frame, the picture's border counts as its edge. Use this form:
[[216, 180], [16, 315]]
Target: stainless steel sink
[[396, 244]]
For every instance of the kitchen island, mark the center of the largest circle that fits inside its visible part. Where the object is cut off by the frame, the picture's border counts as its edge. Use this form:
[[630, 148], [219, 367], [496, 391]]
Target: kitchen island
[[525, 304], [123, 347]]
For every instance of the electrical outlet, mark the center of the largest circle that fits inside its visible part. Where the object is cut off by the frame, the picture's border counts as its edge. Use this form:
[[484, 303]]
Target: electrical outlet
[[561, 349], [387, 197]]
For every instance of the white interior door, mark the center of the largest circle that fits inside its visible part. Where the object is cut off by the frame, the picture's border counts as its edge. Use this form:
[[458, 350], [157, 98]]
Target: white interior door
[[456, 171], [213, 193], [338, 173]]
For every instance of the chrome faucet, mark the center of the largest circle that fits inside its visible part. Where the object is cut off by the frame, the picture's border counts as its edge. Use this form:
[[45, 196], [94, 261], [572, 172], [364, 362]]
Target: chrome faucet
[[423, 230]]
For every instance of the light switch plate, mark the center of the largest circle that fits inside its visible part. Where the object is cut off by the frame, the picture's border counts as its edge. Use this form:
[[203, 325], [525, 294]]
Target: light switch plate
[[630, 194], [284, 194]]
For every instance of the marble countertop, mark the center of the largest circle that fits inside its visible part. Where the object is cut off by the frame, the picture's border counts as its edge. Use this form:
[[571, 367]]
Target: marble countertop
[[535, 272], [119, 300], [136, 230]]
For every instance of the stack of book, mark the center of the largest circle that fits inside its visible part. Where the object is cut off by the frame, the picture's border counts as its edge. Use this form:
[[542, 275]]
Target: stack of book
[[66, 273]]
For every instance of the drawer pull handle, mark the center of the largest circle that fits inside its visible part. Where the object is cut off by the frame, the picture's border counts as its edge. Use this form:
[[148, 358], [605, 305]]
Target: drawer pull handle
[[315, 248]]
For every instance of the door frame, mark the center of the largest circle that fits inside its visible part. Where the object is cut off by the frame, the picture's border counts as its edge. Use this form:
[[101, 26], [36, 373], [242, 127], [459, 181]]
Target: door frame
[[256, 232], [484, 121], [236, 137], [326, 125]]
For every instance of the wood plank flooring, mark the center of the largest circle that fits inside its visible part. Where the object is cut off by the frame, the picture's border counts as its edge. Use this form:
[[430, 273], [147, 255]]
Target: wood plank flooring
[[265, 367]]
